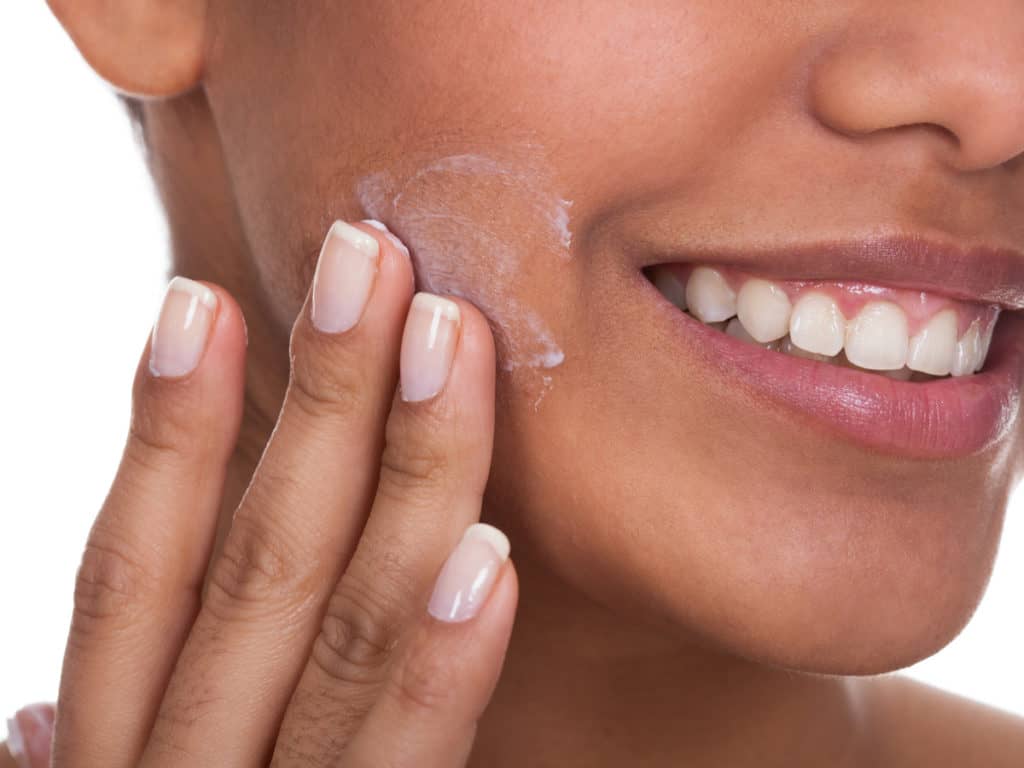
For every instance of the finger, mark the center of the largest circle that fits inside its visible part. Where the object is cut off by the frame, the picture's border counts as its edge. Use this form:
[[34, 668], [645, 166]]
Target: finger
[[443, 679], [138, 585], [29, 737], [432, 477], [301, 515]]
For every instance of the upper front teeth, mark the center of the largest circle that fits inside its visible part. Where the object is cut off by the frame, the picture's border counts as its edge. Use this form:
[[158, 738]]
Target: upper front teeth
[[876, 338], [709, 296], [764, 310], [933, 348], [817, 325], [969, 354]]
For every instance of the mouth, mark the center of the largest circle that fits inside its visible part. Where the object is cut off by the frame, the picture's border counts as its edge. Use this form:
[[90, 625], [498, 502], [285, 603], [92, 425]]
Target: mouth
[[932, 370]]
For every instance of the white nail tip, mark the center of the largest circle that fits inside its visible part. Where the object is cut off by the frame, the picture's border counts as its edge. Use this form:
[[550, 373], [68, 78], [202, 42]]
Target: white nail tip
[[183, 285], [379, 225], [816, 325], [876, 338], [355, 237], [709, 296], [764, 309], [490, 534], [428, 302]]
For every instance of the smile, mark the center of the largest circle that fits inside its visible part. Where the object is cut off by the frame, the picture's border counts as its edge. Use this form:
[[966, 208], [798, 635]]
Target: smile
[[903, 334], [931, 371]]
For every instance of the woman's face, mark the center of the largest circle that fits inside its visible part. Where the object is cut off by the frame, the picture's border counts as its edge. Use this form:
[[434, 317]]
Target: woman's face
[[540, 157]]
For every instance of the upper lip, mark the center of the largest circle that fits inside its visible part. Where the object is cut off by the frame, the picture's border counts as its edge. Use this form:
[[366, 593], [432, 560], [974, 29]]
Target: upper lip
[[980, 273]]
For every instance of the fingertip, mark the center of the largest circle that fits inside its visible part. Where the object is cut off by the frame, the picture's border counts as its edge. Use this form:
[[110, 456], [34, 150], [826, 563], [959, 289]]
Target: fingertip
[[505, 597], [395, 255], [473, 369], [193, 317], [229, 337], [477, 338], [191, 374]]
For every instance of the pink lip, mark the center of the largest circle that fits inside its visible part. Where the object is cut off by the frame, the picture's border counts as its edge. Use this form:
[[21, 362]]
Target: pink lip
[[945, 418]]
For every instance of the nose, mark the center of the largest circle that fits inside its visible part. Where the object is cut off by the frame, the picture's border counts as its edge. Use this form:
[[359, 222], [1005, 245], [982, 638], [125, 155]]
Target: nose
[[947, 74]]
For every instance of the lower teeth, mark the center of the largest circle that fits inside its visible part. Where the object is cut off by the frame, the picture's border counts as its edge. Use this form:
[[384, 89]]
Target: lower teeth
[[733, 328]]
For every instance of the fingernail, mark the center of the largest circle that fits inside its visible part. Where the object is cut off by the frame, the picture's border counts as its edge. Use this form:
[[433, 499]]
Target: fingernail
[[344, 277], [29, 734], [469, 573], [181, 329], [428, 346], [388, 234]]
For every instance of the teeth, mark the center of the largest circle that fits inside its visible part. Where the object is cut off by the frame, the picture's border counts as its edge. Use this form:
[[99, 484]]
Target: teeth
[[876, 338], [933, 349], [787, 347], [709, 297], [968, 352], [900, 374], [817, 325], [735, 329], [670, 287], [986, 340], [764, 310]]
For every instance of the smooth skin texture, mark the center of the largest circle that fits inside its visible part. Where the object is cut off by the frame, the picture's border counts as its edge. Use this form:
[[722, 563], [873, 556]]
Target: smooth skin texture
[[686, 554]]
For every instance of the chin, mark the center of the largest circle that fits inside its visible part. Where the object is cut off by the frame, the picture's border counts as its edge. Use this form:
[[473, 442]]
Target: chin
[[866, 573]]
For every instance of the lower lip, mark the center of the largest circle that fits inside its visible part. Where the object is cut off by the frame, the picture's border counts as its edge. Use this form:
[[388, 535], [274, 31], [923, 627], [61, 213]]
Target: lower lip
[[950, 417]]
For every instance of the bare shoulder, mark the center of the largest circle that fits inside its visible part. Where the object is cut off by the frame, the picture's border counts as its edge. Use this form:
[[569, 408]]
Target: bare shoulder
[[913, 724]]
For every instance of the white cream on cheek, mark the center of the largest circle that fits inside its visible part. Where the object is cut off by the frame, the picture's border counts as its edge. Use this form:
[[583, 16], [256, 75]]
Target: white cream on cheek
[[456, 248]]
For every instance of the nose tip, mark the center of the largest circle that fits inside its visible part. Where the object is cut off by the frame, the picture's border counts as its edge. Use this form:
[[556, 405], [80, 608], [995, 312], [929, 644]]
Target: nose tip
[[961, 72]]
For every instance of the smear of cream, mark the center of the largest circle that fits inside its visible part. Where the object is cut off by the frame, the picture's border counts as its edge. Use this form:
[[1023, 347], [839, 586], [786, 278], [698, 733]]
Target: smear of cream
[[456, 246]]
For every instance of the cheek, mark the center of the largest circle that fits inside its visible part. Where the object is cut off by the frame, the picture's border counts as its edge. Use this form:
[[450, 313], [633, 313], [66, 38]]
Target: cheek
[[484, 230]]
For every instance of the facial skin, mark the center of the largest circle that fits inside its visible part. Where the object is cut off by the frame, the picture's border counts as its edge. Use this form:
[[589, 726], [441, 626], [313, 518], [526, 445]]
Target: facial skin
[[625, 470], [638, 478]]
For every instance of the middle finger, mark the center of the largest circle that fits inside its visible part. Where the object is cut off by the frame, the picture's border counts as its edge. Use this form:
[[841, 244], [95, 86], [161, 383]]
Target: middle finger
[[301, 515]]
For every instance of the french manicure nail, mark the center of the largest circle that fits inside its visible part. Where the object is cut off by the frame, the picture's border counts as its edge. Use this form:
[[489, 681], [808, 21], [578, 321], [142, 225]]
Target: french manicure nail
[[182, 327], [428, 346], [344, 277], [469, 573], [29, 734], [388, 234]]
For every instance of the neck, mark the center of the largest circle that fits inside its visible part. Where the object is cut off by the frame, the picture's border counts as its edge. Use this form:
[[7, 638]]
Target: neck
[[581, 685]]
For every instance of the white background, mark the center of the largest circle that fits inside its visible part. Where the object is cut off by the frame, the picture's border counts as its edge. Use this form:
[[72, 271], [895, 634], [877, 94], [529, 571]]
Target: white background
[[85, 262]]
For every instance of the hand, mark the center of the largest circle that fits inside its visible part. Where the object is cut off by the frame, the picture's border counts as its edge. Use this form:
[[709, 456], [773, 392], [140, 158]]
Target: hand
[[334, 628]]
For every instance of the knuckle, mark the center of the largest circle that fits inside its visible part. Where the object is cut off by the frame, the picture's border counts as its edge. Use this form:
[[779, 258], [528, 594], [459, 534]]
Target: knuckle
[[257, 567], [186, 706], [323, 378], [414, 468], [357, 637], [111, 583], [425, 679], [161, 427]]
